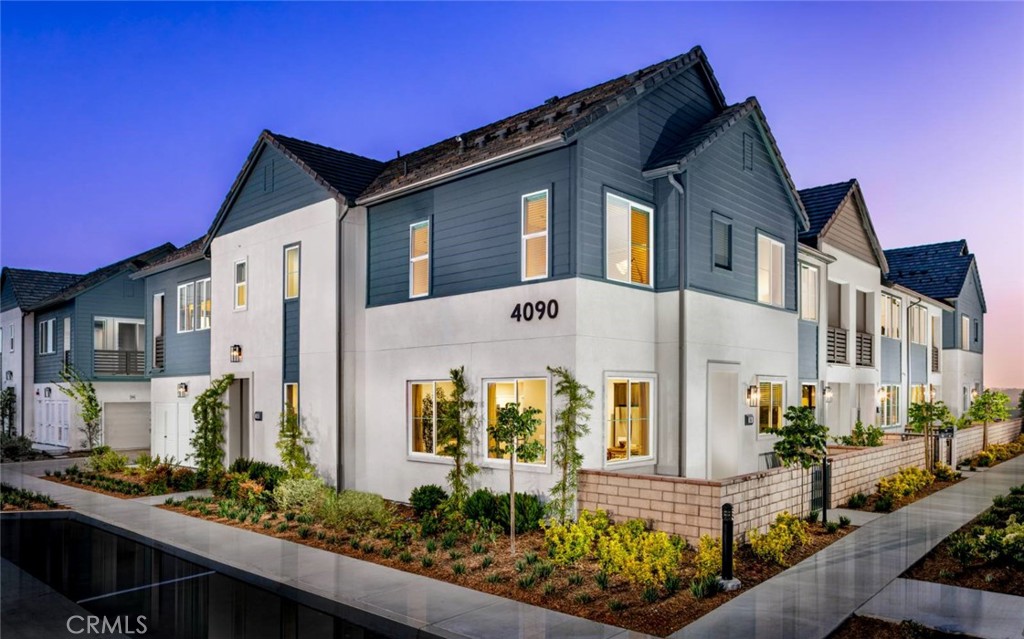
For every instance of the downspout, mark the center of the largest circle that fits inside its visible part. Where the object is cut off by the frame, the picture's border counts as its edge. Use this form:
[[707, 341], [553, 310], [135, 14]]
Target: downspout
[[342, 208], [910, 359], [21, 371], [677, 185]]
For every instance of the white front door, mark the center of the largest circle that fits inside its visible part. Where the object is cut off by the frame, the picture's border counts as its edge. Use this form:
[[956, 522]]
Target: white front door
[[724, 428], [53, 424]]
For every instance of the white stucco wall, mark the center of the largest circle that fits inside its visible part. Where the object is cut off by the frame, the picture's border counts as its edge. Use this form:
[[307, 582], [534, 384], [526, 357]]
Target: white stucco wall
[[259, 328], [121, 392], [171, 437], [12, 363], [960, 369]]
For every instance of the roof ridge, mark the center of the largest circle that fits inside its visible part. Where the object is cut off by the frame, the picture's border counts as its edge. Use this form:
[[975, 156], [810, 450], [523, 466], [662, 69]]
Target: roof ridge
[[281, 136], [848, 183]]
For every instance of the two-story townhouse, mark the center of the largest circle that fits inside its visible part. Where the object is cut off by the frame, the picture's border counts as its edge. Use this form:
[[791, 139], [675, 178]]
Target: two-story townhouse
[[96, 325], [948, 272], [286, 231], [641, 232], [179, 314], [20, 289]]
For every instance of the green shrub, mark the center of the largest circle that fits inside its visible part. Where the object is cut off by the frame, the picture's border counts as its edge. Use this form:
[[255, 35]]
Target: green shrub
[[883, 504], [857, 501], [431, 545], [105, 460], [844, 521], [454, 555], [673, 583], [303, 531], [478, 548], [549, 589], [812, 517], [480, 506], [703, 587], [787, 532], [650, 594], [944, 472], [831, 527], [863, 436], [543, 570], [708, 561], [494, 578], [575, 579], [355, 510], [459, 568], [427, 498], [962, 548], [270, 475], [526, 581], [906, 482], [282, 527], [584, 598], [529, 512], [642, 556], [300, 493], [616, 605], [602, 579]]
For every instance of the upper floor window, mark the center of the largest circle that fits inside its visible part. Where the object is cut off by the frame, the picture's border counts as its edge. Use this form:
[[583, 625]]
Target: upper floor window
[[721, 240], [204, 304], [808, 293], [528, 393], [46, 337], [419, 259], [771, 271], [977, 331], [965, 332], [291, 272], [291, 398], [10, 336], [241, 285], [891, 314], [535, 236], [918, 325], [427, 401], [630, 426], [186, 307], [629, 240], [770, 405]]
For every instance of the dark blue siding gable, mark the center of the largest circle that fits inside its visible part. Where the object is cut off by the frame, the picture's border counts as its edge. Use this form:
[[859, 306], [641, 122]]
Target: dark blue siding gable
[[475, 230], [276, 186], [119, 296], [48, 366], [969, 303], [291, 341], [184, 353], [754, 200]]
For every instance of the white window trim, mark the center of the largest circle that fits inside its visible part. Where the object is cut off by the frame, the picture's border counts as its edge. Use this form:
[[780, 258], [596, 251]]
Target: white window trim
[[888, 401], [420, 258], [817, 292], [771, 273], [491, 462], [298, 286], [769, 379], [209, 292], [245, 283], [629, 242], [415, 455], [639, 460], [192, 316], [524, 236], [49, 346], [284, 395]]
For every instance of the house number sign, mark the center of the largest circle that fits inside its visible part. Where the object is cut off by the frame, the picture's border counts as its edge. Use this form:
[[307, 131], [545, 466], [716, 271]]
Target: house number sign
[[539, 310]]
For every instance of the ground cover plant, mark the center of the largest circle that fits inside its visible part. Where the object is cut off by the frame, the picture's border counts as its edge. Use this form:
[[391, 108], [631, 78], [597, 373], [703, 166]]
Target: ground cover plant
[[109, 472], [987, 553], [13, 498], [997, 453], [905, 487]]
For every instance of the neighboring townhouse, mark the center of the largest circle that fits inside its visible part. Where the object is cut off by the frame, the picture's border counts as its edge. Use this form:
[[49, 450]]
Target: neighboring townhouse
[[20, 289], [286, 231], [96, 325], [179, 314], [642, 233], [948, 272]]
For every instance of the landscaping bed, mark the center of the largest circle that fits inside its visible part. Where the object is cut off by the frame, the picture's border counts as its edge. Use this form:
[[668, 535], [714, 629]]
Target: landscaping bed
[[108, 472], [995, 454], [477, 555], [987, 553], [857, 627], [904, 488], [19, 499]]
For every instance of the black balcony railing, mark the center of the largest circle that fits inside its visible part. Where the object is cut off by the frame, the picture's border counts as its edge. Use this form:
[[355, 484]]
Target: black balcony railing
[[865, 349], [935, 359], [836, 346], [118, 362]]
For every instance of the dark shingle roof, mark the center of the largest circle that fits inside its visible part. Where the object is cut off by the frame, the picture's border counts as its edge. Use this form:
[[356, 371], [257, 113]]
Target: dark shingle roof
[[104, 273], [346, 173], [188, 253], [821, 203], [937, 270], [556, 118], [32, 286]]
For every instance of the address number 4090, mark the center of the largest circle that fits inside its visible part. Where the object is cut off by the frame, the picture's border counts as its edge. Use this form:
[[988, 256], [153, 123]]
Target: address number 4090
[[541, 309]]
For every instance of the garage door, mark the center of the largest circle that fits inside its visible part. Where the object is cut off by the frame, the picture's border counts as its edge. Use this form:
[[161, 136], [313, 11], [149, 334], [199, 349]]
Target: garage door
[[126, 424]]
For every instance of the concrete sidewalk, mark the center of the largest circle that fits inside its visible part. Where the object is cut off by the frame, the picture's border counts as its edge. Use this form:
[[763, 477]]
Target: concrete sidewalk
[[814, 597]]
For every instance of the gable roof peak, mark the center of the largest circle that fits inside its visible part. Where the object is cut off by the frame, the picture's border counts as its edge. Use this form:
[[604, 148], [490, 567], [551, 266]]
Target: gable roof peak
[[938, 270]]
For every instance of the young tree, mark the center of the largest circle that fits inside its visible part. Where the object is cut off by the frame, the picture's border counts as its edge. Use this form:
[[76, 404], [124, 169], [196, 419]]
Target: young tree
[[8, 410], [89, 408], [512, 432], [208, 439], [570, 425], [456, 419], [922, 419], [291, 444], [803, 441], [990, 406], [1020, 408]]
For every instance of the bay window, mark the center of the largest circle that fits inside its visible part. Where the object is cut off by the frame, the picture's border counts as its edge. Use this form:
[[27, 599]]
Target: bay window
[[528, 393], [629, 240], [629, 405]]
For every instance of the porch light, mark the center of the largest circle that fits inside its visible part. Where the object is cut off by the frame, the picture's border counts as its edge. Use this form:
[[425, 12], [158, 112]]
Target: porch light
[[882, 394], [182, 389], [47, 391], [753, 396], [828, 394], [236, 353], [9, 375], [974, 394]]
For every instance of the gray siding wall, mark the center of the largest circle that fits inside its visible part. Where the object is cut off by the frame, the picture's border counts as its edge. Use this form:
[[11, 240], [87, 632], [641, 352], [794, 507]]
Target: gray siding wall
[[969, 303], [184, 353], [612, 157], [892, 366], [291, 341], [262, 198], [475, 230], [918, 364], [47, 367], [754, 200], [119, 296], [7, 298], [808, 354], [950, 328]]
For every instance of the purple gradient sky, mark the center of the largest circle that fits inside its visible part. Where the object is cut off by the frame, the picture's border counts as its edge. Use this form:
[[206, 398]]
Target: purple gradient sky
[[123, 125]]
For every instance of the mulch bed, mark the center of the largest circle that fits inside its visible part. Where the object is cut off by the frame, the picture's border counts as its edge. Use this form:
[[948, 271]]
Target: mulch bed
[[660, 618], [70, 481], [857, 627], [8, 508], [935, 487]]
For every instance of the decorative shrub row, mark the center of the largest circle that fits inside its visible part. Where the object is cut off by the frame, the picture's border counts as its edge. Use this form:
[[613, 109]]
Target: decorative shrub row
[[906, 482], [21, 498], [787, 532]]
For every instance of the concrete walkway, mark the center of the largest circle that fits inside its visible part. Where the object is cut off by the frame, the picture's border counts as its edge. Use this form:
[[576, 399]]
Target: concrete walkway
[[388, 601], [814, 597]]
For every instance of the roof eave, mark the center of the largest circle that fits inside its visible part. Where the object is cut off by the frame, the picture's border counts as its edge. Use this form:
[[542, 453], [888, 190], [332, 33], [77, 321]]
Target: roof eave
[[166, 266], [909, 291]]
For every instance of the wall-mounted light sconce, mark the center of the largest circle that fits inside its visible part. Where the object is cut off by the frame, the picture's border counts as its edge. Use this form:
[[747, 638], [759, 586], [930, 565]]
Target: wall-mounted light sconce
[[236, 353], [753, 396], [9, 376], [882, 395], [828, 394], [974, 394], [182, 389], [47, 391]]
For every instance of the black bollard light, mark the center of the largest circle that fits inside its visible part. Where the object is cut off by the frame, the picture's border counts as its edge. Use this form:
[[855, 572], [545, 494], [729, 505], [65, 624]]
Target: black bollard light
[[727, 581]]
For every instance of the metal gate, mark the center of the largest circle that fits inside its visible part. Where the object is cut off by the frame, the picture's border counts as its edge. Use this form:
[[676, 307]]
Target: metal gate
[[817, 488]]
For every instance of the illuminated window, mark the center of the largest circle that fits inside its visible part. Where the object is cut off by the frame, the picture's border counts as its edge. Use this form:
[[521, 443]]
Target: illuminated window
[[528, 393], [771, 271], [770, 405], [535, 236], [419, 259], [808, 293], [889, 405], [204, 304], [241, 285], [917, 394], [186, 307], [291, 272], [809, 395], [629, 419], [891, 316], [629, 240], [291, 398], [965, 332], [427, 401]]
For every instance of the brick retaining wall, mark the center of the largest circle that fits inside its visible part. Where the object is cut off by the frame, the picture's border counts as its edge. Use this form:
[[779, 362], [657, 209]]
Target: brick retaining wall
[[692, 507]]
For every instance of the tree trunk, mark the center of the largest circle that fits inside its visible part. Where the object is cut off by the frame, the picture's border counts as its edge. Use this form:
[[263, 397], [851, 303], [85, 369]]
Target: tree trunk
[[984, 435], [512, 497]]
